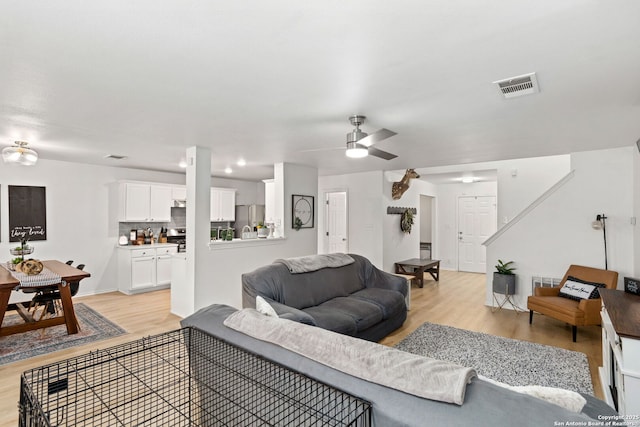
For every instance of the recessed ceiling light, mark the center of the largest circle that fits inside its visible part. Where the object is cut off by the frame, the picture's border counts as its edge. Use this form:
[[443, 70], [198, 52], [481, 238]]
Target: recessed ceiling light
[[228, 170], [182, 164], [242, 162], [468, 179]]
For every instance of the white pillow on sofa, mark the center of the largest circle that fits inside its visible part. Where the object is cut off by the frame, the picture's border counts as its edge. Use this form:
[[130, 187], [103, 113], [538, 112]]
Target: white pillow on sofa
[[577, 289], [262, 306]]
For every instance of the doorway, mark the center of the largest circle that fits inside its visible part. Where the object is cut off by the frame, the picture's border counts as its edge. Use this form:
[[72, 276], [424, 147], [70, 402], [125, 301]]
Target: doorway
[[336, 230], [426, 226], [476, 223]]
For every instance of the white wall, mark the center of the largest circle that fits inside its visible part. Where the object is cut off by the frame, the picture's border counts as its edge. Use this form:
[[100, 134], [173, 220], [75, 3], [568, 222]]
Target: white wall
[[79, 224], [398, 245], [558, 232], [532, 178], [447, 218], [364, 219], [224, 266]]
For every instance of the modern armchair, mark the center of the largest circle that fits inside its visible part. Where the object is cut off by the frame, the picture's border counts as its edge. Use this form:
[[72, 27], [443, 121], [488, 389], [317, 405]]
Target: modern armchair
[[572, 309]]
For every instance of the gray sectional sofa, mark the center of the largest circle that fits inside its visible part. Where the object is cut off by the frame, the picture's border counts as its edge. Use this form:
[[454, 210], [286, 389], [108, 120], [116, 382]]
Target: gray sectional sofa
[[485, 404], [355, 299]]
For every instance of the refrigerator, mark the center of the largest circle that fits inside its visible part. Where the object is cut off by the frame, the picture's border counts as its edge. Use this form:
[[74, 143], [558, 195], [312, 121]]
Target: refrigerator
[[249, 215]]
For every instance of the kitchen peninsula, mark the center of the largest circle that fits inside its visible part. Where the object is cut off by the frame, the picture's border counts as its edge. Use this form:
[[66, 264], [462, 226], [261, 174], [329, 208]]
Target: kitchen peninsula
[[226, 244], [212, 272]]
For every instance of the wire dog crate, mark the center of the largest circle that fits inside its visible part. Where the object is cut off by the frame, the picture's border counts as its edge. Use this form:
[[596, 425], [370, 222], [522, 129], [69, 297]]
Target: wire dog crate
[[181, 378]]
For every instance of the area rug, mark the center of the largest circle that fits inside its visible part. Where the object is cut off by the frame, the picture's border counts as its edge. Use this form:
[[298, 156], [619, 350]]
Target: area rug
[[510, 361], [94, 327]]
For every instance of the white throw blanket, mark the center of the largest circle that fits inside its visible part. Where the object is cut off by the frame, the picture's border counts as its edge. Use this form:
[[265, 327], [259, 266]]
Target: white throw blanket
[[306, 264], [421, 376], [568, 399]]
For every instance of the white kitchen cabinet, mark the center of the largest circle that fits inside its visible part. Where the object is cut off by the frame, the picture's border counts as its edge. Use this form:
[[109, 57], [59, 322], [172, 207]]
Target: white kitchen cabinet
[[145, 202], [269, 200], [223, 204], [179, 192], [142, 269], [163, 265]]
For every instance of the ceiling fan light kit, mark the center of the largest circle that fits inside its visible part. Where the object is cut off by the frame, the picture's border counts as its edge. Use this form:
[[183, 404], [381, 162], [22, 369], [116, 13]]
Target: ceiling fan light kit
[[359, 143], [356, 151], [19, 154]]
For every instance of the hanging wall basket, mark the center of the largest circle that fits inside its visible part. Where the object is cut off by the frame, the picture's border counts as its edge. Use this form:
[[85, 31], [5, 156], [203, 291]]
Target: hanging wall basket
[[406, 221]]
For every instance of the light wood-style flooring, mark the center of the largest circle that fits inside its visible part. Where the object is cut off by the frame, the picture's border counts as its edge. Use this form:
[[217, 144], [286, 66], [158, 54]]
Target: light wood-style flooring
[[457, 300]]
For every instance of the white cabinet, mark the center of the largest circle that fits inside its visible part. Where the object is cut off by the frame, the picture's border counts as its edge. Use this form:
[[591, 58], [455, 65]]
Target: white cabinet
[[163, 265], [144, 269], [179, 192], [144, 202], [223, 204], [269, 200], [620, 371]]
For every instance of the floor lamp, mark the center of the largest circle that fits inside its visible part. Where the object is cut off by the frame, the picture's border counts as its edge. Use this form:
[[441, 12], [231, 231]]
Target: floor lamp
[[598, 224]]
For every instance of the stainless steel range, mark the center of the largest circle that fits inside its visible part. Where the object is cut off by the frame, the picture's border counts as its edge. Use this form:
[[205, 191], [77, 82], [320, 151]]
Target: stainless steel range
[[179, 236]]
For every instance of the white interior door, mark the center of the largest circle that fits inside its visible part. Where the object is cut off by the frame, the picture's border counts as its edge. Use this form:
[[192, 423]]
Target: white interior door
[[336, 226], [476, 223]]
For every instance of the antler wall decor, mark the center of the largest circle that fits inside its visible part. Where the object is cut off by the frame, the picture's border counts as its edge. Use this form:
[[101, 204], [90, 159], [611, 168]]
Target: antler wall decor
[[399, 187]]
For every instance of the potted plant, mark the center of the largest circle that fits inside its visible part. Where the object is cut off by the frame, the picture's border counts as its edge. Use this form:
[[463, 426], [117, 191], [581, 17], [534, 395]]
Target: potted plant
[[504, 280]]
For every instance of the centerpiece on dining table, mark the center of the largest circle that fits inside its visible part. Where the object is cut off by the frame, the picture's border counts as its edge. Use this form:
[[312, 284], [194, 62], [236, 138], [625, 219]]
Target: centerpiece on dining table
[[19, 264]]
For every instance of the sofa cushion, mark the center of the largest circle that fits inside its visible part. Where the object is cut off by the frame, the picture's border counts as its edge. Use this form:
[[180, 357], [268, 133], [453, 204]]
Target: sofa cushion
[[365, 314], [390, 302], [331, 319], [304, 289], [565, 307]]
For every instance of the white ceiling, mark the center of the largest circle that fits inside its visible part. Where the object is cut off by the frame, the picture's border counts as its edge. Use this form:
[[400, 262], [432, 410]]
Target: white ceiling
[[265, 81]]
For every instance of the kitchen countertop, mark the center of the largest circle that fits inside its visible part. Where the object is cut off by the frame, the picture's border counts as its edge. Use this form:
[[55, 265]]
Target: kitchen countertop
[[152, 245], [235, 243]]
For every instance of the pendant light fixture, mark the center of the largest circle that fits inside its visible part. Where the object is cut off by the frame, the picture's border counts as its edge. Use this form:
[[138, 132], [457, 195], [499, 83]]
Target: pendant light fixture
[[20, 154]]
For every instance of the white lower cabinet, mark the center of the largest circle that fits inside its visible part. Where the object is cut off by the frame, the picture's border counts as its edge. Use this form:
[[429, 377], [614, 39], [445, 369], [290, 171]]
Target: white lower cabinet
[[144, 269], [163, 265]]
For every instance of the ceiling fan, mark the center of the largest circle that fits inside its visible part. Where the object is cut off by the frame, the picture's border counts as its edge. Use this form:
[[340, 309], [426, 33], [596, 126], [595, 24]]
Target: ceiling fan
[[360, 144]]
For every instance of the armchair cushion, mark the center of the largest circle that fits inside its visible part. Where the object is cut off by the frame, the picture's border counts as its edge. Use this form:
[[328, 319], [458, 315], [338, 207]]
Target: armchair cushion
[[578, 289]]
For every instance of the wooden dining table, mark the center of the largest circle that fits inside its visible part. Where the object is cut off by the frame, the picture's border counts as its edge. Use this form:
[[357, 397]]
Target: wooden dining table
[[67, 274]]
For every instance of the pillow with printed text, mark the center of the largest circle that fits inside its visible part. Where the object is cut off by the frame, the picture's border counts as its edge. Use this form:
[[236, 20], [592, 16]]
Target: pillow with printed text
[[578, 289]]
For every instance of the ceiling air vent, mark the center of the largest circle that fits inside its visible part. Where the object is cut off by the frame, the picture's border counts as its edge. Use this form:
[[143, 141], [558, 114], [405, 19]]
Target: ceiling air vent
[[518, 86]]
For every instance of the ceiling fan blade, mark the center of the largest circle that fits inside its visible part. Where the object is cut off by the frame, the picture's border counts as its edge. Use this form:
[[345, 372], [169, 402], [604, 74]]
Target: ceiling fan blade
[[315, 150], [381, 154], [376, 137]]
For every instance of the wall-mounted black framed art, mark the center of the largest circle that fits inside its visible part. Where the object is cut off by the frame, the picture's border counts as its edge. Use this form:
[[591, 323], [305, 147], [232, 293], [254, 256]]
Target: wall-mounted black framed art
[[302, 209]]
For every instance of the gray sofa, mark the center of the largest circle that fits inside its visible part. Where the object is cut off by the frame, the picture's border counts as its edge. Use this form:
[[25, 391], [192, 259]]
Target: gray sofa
[[485, 404], [356, 299]]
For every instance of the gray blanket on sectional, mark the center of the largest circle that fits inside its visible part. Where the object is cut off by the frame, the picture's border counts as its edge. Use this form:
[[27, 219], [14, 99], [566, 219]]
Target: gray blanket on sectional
[[485, 404]]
